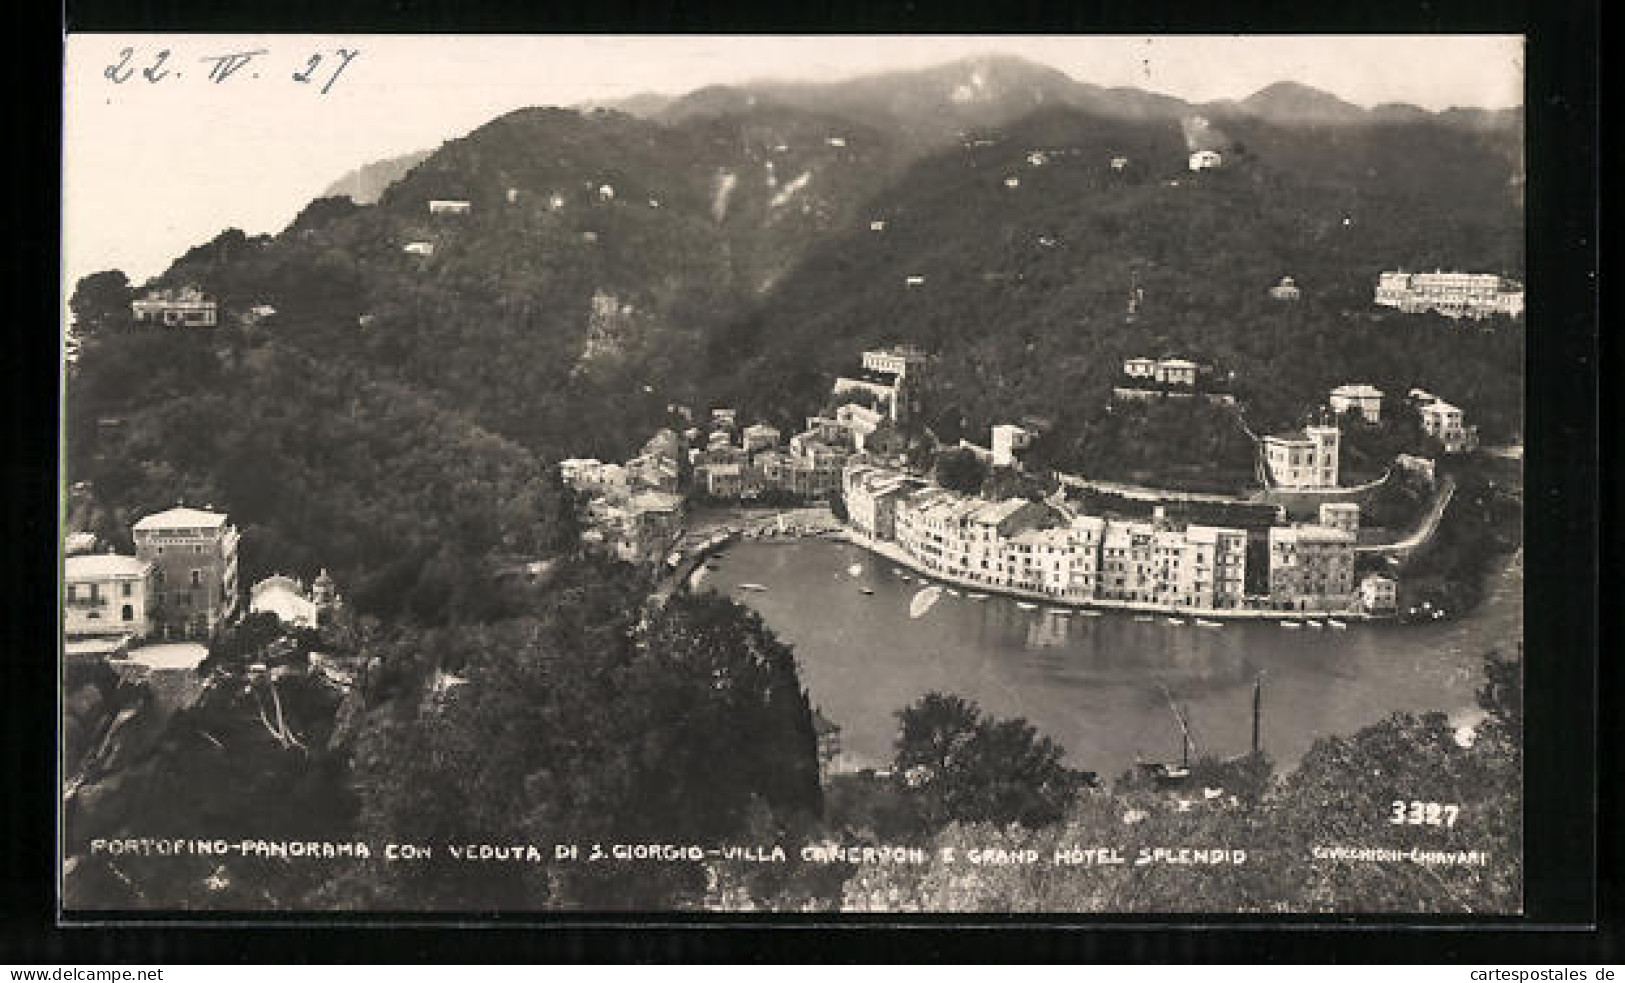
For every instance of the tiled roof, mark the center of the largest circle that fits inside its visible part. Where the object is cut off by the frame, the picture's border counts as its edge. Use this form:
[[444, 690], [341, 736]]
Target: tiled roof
[[100, 565]]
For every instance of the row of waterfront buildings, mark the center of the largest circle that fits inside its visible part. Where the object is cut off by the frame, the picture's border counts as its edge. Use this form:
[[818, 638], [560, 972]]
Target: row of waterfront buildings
[[1048, 549]]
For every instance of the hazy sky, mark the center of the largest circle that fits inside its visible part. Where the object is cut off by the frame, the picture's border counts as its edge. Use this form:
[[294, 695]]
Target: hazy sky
[[151, 168]]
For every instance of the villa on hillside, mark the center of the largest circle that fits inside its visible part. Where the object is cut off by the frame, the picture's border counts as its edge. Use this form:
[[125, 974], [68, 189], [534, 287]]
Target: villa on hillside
[[1174, 378], [1203, 160], [1304, 458], [1473, 295], [188, 307], [1358, 396]]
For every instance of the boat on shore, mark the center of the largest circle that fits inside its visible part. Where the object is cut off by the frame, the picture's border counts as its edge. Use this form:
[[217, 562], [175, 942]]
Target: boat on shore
[[1176, 621], [977, 597], [1204, 623], [1333, 622], [1026, 605], [1291, 624], [757, 587], [866, 590], [855, 569], [1312, 623], [1144, 617]]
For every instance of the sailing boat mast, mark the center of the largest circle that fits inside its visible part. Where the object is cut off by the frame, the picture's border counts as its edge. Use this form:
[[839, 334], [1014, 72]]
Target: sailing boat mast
[[1258, 707], [1189, 742]]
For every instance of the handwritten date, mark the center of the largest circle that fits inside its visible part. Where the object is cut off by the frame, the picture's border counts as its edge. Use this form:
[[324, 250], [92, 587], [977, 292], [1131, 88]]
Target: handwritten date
[[320, 68]]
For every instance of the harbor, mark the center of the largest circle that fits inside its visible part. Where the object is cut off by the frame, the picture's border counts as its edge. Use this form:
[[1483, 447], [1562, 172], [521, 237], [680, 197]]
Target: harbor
[[1092, 681]]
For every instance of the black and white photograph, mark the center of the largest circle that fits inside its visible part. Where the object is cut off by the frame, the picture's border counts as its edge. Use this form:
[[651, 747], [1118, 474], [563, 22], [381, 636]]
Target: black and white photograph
[[840, 475]]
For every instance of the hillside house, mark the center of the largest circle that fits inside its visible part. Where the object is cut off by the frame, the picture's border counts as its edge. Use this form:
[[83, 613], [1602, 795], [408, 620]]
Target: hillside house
[[1304, 458], [419, 248], [194, 552], [449, 206], [1448, 425], [188, 307], [108, 594], [1204, 160], [1287, 289], [1008, 441], [1358, 396]]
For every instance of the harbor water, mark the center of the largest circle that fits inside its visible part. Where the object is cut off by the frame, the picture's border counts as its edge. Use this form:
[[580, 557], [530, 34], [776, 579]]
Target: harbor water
[[1095, 684]]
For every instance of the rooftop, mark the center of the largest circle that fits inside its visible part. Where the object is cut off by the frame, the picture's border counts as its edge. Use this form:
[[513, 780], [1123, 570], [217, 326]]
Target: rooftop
[[100, 565], [181, 517]]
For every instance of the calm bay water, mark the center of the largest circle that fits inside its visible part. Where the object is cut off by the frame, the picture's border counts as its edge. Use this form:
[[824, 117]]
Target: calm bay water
[[1092, 683]]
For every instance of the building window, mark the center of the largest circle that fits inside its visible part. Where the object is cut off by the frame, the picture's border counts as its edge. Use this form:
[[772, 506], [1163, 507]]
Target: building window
[[197, 578], [127, 589], [129, 613]]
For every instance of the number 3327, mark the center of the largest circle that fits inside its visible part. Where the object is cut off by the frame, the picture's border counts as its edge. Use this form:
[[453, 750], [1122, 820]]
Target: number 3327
[[1417, 813]]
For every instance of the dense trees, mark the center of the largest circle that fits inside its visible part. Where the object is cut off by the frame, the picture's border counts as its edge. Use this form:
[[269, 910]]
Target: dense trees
[[1468, 860], [961, 470], [964, 767]]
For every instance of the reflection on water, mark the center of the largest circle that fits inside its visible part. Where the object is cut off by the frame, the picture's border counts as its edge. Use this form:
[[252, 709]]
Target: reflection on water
[[1092, 683]]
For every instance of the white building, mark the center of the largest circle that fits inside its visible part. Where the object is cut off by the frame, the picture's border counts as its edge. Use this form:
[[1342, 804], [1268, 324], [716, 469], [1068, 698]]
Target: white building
[[284, 597], [419, 248], [448, 206], [1379, 594], [1474, 295], [1203, 160], [188, 307], [1358, 396], [1008, 440], [108, 594], [1303, 459], [1448, 425], [1287, 289]]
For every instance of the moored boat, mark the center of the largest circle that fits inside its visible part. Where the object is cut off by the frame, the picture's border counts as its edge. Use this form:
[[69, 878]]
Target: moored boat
[[1176, 621], [977, 597], [1144, 617], [1312, 623], [1061, 612], [866, 590], [1336, 624], [1026, 606], [1203, 622], [1291, 624], [753, 587]]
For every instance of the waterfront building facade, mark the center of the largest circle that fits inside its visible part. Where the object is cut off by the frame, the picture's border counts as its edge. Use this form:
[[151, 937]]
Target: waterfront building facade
[[1379, 594], [1038, 548], [194, 553]]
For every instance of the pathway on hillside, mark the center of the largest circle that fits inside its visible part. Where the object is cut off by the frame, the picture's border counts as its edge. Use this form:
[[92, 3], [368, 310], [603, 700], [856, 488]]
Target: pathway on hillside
[[1424, 530]]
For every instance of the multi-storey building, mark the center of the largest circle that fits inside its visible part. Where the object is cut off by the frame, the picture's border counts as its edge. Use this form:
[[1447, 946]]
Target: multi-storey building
[[108, 594], [1311, 568], [1305, 458], [194, 553], [893, 375], [1474, 295], [1448, 425], [1360, 397], [187, 307], [1379, 594], [759, 437], [1009, 440]]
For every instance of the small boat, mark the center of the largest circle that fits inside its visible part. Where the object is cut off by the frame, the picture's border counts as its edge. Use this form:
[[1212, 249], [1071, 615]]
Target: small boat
[[855, 569], [977, 597], [866, 590], [904, 576], [923, 601], [1204, 623], [1291, 624], [1025, 606], [1061, 612], [953, 592], [1336, 624], [1144, 617], [1086, 613], [1312, 623], [1176, 621], [753, 587]]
